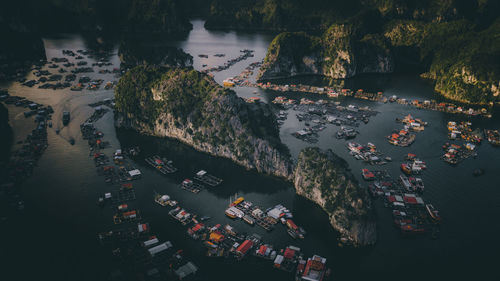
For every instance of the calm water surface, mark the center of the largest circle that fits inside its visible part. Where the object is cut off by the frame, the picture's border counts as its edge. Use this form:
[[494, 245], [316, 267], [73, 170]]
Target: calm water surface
[[55, 237]]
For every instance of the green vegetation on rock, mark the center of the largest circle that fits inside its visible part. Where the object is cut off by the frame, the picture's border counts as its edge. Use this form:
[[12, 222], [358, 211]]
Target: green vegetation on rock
[[341, 52], [190, 106], [277, 14], [464, 62], [455, 43], [324, 178]]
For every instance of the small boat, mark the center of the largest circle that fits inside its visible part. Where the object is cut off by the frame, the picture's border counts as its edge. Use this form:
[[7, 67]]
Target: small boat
[[163, 200], [478, 172], [248, 219], [189, 185], [412, 229], [418, 184], [229, 82], [367, 175], [66, 118], [230, 230], [204, 218], [405, 182], [410, 156], [230, 213], [433, 213], [406, 169], [122, 207], [206, 178]]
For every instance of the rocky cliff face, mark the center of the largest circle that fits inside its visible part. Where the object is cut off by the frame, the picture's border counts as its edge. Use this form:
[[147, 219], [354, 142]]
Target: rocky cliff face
[[337, 54], [467, 74], [191, 107], [292, 54], [462, 83], [324, 178]]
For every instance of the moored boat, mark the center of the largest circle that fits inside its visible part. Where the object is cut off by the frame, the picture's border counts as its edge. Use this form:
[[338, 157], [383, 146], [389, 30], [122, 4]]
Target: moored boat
[[367, 175], [163, 200], [433, 213], [406, 169], [405, 182]]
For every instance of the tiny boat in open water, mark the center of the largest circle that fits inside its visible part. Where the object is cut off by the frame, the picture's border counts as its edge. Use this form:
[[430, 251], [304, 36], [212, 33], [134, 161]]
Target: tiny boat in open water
[[433, 213]]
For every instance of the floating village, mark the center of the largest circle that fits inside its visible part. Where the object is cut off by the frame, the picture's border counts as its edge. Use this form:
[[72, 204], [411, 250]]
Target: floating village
[[67, 71], [132, 240], [26, 152]]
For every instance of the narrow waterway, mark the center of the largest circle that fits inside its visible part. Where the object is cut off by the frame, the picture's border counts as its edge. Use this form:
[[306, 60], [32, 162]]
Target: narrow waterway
[[54, 238]]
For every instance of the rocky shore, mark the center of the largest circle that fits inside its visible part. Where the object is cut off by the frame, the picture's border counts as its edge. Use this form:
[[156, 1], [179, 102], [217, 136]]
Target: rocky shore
[[325, 179], [339, 53], [191, 107], [468, 74]]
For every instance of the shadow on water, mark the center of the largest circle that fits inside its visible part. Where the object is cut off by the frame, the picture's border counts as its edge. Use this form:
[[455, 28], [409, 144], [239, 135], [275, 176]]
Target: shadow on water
[[262, 190], [189, 161]]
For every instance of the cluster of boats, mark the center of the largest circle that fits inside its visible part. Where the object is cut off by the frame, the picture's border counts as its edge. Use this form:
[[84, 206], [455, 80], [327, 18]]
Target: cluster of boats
[[208, 179], [413, 124], [401, 138], [346, 133], [162, 165], [318, 114], [463, 130], [164, 200], [411, 215], [226, 242], [28, 151], [191, 186], [493, 137], [412, 184], [252, 214], [245, 55], [334, 92], [413, 165], [166, 166], [454, 153], [133, 242], [283, 100], [242, 78], [368, 153], [45, 77]]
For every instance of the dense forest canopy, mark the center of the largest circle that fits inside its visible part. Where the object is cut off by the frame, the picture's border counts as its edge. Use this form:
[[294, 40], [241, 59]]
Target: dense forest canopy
[[455, 42]]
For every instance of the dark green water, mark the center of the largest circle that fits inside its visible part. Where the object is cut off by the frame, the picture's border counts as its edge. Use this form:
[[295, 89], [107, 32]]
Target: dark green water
[[55, 237]]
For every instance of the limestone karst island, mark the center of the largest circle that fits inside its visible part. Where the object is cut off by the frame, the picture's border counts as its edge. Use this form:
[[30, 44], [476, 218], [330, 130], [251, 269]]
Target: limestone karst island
[[306, 140]]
